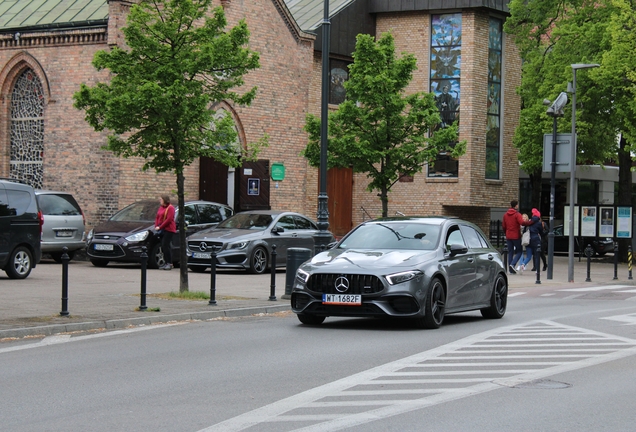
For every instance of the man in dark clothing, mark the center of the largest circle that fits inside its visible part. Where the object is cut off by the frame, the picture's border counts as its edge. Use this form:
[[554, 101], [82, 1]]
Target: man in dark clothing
[[511, 224]]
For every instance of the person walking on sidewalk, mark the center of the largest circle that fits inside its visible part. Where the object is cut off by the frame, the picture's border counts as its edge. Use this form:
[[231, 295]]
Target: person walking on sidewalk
[[536, 231], [544, 246], [166, 227], [511, 224]]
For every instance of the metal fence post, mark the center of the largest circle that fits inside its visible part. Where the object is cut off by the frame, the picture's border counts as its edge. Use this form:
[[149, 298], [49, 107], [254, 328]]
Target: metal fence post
[[537, 263], [629, 261], [272, 292], [144, 268], [588, 253], [615, 261], [65, 260], [213, 277]]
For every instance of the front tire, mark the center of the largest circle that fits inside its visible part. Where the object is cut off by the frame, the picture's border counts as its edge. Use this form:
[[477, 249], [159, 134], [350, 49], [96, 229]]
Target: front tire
[[434, 306], [197, 269], [156, 258], [310, 319], [20, 263], [258, 261], [498, 300], [99, 262]]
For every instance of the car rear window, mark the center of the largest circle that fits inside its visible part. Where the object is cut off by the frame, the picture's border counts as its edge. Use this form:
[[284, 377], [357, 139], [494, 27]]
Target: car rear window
[[58, 205]]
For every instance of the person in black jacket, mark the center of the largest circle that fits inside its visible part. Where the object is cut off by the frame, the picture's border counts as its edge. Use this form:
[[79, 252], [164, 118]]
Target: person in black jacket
[[544, 246], [536, 231]]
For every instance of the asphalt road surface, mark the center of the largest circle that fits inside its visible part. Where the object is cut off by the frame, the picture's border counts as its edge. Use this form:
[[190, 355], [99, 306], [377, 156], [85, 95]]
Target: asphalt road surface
[[558, 361]]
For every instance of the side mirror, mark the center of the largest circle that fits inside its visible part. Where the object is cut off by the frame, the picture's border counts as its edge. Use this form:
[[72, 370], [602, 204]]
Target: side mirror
[[331, 245], [277, 229], [457, 249]]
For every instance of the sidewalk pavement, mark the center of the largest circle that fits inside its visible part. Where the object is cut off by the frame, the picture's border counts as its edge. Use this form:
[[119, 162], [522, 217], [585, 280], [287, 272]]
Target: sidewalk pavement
[[109, 298]]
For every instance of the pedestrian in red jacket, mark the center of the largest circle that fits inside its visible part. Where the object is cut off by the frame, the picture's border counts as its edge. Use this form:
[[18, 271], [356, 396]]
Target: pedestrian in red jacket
[[511, 224]]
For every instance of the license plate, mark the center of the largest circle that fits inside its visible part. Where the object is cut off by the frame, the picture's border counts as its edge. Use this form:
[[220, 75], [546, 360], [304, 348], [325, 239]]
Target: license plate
[[64, 233], [104, 247], [342, 299], [201, 255]]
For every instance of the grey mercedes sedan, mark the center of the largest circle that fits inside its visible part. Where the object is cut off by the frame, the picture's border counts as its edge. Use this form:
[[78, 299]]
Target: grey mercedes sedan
[[246, 240], [420, 268]]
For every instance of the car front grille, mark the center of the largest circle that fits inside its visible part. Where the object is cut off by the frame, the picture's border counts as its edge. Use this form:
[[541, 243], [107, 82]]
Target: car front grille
[[354, 283], [205, 246]]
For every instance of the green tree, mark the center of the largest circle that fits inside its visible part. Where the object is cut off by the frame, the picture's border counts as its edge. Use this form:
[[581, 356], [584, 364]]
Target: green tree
[[179, 61], [379, 130], [552, 35]]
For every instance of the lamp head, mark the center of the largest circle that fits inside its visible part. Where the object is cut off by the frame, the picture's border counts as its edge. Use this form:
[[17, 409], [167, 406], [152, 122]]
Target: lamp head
[[547, 102]]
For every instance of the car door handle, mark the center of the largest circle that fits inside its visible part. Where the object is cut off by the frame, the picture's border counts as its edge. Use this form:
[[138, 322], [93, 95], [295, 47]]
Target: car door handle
[[471, 259]]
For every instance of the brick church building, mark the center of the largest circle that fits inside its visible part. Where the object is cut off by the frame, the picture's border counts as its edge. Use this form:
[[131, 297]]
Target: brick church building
[[46, 49]]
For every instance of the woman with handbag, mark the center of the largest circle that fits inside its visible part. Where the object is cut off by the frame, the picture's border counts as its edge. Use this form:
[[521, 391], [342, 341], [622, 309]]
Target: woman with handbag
[[535, 232], [165, 226]]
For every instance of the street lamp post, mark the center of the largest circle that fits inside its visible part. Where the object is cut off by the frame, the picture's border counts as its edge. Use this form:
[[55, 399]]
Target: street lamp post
[[555, 110], [322, 237], [575, 67]]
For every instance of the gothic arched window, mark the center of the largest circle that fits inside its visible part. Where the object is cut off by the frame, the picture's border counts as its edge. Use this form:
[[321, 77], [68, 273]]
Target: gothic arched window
[[27, 129]]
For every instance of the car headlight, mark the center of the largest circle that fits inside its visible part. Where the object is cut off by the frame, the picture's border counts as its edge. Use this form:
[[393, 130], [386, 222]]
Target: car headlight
[[90, 235], [239, 245], [140, 236], [302, 276], [398, 278]]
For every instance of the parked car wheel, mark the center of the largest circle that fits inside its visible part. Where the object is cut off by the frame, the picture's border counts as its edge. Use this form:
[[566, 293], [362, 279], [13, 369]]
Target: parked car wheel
[[20, 263], [434, 306], [57, 256], [197, 269], [258, 261], [99, 262], [311, 319], [156, 258], [498, 301]]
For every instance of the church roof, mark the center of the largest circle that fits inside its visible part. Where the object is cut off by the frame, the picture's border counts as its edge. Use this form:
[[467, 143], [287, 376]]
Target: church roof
[[310, 13], [50, 13]]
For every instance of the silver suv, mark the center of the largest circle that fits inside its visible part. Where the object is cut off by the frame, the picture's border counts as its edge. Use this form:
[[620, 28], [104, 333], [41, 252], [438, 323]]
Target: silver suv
[[64, 223]]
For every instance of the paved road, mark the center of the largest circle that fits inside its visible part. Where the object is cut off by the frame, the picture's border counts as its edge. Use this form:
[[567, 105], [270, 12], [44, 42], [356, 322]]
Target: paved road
[[108, 297]]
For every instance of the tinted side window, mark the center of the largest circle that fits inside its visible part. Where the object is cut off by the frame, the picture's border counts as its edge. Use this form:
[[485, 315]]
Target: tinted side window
[[303, 223], [286, 222], [190, 215], [58, 205], [226, 212], [19, 201], [4, 204], [472, 238], [209, 214]]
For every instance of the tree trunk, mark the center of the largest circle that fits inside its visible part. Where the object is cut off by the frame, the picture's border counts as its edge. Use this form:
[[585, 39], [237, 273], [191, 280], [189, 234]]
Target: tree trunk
[[385, 202], [183, 259], [624, 190]]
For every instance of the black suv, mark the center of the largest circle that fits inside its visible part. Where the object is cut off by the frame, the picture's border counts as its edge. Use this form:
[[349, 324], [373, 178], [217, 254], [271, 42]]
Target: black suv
[[20, 229]]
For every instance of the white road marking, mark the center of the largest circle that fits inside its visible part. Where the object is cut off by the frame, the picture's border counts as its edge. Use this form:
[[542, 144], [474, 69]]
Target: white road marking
[[57, 339], [627, 319], [515, 294], [383, 390], [597, 288]]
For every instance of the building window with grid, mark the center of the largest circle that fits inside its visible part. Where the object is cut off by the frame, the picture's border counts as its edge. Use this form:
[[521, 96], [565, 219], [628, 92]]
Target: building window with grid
[[27, 129], [493, 128], [446, 54]]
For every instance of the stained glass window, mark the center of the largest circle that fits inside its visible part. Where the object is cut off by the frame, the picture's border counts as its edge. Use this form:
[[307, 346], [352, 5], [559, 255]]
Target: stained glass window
[[493, 129], [338, 74], [446, 56], [27, 129]]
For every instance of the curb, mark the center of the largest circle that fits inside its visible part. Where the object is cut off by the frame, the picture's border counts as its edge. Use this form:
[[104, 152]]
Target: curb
[[129, 322]]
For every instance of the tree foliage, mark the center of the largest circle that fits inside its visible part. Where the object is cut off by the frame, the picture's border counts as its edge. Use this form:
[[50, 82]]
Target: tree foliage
[[179, 60], [379, 129]]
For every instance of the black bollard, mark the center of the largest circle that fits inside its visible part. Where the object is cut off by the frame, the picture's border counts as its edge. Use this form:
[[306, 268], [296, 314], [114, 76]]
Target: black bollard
[[505, 256], [272, 292], [537, 263], [615, 261], [144, 267], [65, 260], [213, 277], [588, 253], [629, 261]]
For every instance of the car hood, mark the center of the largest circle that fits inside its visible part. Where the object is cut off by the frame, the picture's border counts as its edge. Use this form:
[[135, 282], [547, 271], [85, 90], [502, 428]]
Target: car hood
[[226, 235], [344, 260], [111, 227]]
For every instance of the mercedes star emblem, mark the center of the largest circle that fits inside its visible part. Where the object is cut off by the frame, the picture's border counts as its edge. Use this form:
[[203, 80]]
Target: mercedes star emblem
[[341, 284]]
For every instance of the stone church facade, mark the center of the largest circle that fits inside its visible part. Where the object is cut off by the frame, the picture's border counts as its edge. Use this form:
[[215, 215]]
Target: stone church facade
[[461, 49]]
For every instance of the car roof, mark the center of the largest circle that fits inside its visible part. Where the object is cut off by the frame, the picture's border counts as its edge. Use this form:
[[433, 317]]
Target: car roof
[[50, 192], [267, 212], [432, 220]]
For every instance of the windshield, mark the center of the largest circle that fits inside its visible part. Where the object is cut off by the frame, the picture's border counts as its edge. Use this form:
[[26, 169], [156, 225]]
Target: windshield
[[248, 221], [393, 235], [141, 211]]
